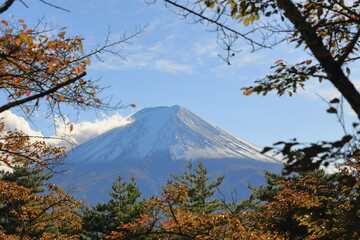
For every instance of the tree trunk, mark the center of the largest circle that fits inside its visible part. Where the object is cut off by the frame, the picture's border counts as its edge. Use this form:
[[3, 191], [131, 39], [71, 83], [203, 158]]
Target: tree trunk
[[332, 68]]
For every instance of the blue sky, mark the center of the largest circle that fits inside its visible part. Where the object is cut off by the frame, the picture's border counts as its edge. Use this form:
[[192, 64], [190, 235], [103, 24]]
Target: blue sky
[[174, 62]]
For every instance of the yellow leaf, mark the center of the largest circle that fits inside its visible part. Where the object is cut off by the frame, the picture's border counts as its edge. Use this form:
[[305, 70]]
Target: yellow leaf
[[246, 21], [18, 41], [61, 35], [23, 37]]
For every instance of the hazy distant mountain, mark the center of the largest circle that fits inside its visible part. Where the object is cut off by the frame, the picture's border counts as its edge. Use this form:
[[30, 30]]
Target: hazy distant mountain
[[160, 141]]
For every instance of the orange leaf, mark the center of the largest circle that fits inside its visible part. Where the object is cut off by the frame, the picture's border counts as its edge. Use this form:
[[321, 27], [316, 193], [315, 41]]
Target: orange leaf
[[5, 23], [133, 105], [278, 61], [28, 92], [18, 41], [47, 97], [21, 20], [71, 127], [248, 92], [27, 109]]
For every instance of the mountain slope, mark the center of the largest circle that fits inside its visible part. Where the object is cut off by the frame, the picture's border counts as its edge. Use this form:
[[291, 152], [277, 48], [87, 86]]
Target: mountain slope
[[159, 141], [175, 130]]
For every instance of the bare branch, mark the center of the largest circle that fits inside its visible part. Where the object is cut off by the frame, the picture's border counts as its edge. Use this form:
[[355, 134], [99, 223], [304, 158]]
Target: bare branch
[[216, 22], [54, 6], [41, 94]]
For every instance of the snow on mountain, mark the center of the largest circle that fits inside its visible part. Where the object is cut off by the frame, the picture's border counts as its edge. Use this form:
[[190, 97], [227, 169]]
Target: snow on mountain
[[158, 142], [176, 130]]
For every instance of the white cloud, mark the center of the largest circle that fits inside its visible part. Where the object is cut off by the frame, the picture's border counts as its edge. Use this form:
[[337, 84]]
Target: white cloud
[[15, 122], [86, 130], [171, 67], [209, 49], [162, 55], [82, 131]]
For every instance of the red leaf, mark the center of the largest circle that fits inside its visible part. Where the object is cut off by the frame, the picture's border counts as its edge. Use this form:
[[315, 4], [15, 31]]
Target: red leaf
[[28, 92]]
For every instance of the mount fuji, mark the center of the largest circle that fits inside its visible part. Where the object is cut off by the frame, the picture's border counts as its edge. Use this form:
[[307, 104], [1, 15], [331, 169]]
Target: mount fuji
[[157, 142]]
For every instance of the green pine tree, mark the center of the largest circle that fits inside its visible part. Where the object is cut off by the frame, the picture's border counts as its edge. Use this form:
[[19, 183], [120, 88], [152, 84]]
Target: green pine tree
[[103, 218], [29, 176], [200, 190]]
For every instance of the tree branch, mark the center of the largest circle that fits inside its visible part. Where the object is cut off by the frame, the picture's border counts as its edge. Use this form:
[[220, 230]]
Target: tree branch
[[54, 6], [216, 22], [6, 5], [41, 94], [315, 43], [349, 48]]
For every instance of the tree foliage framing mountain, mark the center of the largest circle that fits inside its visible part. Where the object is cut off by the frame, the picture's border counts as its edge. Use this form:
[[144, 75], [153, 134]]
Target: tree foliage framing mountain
[[328, 31], [40, 65]]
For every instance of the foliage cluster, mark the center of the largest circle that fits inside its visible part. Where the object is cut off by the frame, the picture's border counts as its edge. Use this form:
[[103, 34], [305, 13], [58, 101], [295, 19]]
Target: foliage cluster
[[311, 205]]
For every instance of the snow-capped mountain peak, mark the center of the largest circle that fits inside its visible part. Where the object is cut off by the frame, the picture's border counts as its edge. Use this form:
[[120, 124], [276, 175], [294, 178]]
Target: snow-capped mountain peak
[[174, 132]]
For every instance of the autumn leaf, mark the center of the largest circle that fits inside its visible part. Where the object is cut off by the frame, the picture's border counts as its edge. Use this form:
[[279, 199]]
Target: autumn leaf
[[5, 23], [248, 92], [77, 71]]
